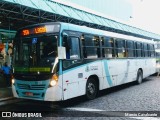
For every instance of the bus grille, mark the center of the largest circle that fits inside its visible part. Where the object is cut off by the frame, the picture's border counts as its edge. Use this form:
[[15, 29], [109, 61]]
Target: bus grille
[[31, 87]]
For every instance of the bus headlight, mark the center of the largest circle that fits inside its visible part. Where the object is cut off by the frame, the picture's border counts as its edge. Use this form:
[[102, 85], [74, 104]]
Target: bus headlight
[[54, 80], [13, 81], [53, 83]]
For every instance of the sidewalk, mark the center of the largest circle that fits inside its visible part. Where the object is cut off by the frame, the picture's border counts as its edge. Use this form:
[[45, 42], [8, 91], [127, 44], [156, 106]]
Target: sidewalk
[[6, 96], [5, 92]]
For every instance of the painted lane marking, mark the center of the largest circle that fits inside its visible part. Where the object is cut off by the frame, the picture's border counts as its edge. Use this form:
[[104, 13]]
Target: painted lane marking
[[97, 112], [84, 109], [146, 118]]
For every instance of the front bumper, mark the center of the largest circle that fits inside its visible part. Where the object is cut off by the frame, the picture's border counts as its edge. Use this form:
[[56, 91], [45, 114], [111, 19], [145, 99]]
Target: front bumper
[[39, 90]]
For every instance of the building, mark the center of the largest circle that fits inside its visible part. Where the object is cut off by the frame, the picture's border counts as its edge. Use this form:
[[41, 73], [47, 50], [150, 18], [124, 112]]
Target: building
[[114, 8]]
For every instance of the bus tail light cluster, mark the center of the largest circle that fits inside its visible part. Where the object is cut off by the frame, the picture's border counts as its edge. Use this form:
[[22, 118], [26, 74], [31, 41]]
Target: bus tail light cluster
[[54, 80]]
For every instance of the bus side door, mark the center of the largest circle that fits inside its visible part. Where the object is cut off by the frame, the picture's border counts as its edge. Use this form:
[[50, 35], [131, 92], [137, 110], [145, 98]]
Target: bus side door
[[72, 73]]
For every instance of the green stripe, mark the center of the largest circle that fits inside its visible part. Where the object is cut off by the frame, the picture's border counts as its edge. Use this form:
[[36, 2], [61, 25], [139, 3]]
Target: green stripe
[[33, 69], [40, 69]]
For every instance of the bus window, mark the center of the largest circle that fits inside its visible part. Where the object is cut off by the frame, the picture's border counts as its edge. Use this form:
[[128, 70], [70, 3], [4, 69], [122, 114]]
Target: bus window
[[139, 49], [49, 49], [90, 40], [130, 48], [145, 50], [107, 47], [152, 50], [91, 48], [120, 48], [75, 51], [72, 48], [26, 53], [39, 51], [149, 50]]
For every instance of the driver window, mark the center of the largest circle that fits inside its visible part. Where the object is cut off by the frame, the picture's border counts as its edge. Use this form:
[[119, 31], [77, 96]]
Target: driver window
[[72, 48], [49, 48]]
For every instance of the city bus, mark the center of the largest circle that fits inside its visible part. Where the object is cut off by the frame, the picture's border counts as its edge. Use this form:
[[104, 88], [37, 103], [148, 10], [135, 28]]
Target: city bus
[[157, 51], [58, 61]]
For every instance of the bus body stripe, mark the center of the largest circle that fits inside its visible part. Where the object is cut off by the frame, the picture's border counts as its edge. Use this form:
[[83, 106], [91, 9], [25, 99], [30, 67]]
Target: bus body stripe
[[60, 67], [108, 77], [32, 69]]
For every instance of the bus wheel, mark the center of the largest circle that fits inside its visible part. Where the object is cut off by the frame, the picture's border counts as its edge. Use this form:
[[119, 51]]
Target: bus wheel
[[91, 89], [139, 77]]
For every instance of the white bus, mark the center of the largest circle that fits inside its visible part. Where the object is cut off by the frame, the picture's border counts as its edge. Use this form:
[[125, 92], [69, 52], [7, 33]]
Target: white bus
[[157, 51], [58, 61]]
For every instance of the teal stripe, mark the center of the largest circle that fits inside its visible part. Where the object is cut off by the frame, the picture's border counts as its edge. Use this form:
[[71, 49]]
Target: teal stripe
[[108, 77], [60, 44], [60, 67], [74, 68]]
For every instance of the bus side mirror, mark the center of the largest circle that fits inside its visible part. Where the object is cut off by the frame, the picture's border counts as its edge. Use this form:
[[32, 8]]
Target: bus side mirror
[[65, 38], [61, 53], [66, 41]]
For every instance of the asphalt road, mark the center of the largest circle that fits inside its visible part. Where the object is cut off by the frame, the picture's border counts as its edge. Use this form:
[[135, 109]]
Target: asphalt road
[[113, 104]]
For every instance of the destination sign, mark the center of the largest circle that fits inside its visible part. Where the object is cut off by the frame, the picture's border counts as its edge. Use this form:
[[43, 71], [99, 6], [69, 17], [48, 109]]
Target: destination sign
[[40, 30]]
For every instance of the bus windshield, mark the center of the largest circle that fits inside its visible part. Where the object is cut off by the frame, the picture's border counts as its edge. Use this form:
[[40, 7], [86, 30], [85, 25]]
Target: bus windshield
[[40, 51]]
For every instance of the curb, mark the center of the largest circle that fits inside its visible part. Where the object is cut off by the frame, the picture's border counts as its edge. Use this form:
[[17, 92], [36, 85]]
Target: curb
[[7, 98]]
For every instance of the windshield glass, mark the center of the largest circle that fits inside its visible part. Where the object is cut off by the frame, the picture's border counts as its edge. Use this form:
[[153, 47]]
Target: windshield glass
[[35, 51]]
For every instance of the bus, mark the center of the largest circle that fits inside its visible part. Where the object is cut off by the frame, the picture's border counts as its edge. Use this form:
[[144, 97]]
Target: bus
[[58, 61], [157, 51]]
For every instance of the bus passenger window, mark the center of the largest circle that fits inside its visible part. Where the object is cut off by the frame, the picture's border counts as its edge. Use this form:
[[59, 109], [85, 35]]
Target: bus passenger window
[[91, 46], [120, 48], [107, 53], [130, 49], [152, 50], [145, 47], [107, 47]]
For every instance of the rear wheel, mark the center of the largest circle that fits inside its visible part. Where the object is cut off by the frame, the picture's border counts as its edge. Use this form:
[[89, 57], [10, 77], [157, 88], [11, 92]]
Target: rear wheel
[[139, 77], [91, 89]]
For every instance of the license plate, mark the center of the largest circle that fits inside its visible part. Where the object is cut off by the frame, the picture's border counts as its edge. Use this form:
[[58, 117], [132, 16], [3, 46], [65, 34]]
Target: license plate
[[29, 94]]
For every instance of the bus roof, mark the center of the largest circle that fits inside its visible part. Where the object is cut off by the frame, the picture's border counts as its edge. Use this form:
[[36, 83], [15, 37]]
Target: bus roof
[[84, 29], [72, 27]]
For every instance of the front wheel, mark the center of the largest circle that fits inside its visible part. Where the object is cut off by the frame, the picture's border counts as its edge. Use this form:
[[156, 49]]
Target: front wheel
[[139, 77], [91, 89]]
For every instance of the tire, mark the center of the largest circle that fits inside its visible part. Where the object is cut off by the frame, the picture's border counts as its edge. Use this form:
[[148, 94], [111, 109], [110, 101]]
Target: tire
[[91, 89], [139, 77]]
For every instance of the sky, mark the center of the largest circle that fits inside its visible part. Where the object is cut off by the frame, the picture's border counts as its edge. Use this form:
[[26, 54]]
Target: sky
[[146, 14]]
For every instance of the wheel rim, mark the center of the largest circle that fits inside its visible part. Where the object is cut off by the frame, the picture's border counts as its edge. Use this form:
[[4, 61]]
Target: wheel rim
[[91, 89]]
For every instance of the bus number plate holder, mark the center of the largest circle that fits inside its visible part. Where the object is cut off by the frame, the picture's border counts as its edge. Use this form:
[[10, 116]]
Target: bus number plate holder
[[29, 94]]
